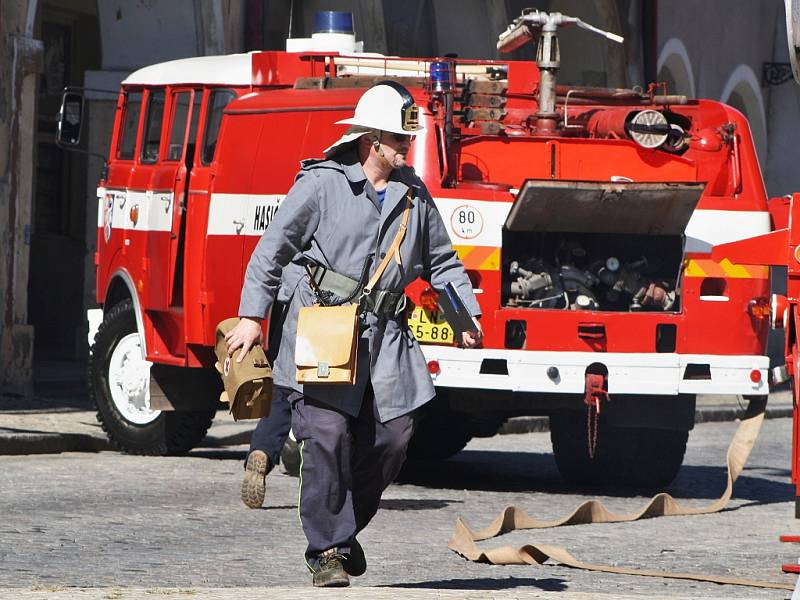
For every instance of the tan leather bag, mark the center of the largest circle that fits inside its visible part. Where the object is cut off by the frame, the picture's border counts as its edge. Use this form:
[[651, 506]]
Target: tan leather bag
[[248, 384], [327, 344], [326, 349]]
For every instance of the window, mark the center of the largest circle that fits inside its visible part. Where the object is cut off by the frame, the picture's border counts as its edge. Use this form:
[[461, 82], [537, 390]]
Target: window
[[198, 98], [218, 100], [152, 130], [180, 113], [190, 143], [130, 125]]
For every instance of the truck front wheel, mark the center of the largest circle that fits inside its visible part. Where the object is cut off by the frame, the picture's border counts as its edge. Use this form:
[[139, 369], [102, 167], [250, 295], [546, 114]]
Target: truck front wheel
[[631, 456], [119, 381]]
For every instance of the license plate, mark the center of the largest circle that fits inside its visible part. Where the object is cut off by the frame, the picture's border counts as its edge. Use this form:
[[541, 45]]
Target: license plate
[[430, 327]]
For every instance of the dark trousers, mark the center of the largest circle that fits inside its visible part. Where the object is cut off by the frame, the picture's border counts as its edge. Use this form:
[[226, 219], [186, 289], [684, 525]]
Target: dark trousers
[[347, 462], [271, 432]]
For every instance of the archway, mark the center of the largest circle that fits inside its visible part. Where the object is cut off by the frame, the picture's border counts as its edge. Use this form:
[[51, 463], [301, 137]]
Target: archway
[[743, 92], [675, 69]]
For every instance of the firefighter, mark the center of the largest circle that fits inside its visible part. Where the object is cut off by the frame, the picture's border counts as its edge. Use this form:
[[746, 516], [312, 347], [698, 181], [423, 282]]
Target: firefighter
[[342, 212]]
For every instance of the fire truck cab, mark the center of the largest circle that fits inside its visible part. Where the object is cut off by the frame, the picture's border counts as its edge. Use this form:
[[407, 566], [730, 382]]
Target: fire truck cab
[[584, 216]]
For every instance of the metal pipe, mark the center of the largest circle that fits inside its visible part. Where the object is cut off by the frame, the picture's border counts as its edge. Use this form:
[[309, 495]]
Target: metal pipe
[[548, 59], [423, 66]]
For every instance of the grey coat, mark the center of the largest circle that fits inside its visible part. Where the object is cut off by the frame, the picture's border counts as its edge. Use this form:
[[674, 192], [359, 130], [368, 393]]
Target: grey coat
[[331, 216]]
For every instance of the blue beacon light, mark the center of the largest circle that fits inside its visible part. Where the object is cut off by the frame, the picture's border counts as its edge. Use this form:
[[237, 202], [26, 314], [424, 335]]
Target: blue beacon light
[[333, 21], [441, 76]]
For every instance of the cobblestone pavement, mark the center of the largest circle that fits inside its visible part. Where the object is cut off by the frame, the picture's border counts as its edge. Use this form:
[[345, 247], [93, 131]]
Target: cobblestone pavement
[[105, 525], [293, 593]]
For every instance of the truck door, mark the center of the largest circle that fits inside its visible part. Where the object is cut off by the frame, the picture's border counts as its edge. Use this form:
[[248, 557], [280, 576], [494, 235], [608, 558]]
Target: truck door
[[182, 135], [147, 210], [213, 224], [164, 146]]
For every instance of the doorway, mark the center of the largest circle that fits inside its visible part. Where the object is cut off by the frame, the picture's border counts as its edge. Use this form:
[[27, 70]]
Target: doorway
[[70, 33]]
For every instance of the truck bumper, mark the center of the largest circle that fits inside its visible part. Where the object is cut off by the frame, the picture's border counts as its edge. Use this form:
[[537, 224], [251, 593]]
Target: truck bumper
[[656, 374]]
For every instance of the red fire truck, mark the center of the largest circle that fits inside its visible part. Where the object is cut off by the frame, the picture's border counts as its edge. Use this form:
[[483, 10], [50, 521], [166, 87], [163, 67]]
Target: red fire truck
[[584, 216]]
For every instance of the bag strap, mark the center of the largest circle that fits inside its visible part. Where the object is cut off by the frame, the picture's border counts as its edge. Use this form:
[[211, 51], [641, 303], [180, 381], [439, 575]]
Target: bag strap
[[393, 251]]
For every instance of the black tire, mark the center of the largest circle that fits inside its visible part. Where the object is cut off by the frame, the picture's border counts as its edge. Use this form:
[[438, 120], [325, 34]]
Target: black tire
[[440, 433], [171, 433], [637, 457]]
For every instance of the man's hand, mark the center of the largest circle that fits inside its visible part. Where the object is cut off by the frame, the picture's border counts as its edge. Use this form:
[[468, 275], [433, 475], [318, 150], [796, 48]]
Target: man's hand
[[244, 336], [470, 339]]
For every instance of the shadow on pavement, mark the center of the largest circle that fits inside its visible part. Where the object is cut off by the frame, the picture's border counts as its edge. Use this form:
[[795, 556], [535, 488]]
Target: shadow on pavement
[[218, 454], [416, 504], [483, 470], [485, 583]]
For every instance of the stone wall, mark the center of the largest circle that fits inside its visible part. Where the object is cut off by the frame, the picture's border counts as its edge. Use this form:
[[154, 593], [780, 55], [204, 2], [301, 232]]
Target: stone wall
[[20, 62]]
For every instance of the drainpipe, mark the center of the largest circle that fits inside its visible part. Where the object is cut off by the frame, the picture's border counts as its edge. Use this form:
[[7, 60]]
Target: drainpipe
[[650, 40]]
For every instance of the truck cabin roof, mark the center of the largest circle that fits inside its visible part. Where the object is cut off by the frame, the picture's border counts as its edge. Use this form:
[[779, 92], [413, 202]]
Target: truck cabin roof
[[285, 69]]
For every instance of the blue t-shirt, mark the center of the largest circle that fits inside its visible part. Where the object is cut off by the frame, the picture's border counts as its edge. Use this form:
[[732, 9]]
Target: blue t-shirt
[[381, 195]]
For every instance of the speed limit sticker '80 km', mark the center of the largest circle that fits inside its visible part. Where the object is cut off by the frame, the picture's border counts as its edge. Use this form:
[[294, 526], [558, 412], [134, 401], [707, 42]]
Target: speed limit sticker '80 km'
[[466, 222]]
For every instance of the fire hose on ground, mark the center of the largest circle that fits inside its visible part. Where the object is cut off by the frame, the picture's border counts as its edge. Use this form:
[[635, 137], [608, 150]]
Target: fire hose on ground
[[464, 540]]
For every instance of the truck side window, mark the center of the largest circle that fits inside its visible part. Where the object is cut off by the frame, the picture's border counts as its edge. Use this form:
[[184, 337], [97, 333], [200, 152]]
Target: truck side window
[[218, 100], [152, 131], [191, 142], [180, 112], [130, 125]]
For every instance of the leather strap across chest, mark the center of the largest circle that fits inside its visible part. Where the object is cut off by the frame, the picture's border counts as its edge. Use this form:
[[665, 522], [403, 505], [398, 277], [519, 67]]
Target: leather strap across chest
[[377, 301], [394, 248]]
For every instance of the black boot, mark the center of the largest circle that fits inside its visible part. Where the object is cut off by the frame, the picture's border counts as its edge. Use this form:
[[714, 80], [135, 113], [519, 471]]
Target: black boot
[[331, 571], [355, 564]]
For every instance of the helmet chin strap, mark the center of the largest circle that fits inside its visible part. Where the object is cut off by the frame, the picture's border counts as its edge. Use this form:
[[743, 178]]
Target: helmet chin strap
[[379, 151]]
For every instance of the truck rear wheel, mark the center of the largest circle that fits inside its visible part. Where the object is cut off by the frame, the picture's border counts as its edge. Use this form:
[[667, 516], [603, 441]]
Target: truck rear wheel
[[119, 380], [631, 456]]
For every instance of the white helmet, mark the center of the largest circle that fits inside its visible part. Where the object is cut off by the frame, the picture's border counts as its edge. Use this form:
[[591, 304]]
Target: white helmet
[[386, 106]]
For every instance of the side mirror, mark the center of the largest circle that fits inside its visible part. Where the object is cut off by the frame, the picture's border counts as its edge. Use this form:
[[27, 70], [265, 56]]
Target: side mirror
[[70, 118], [793, 35]]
